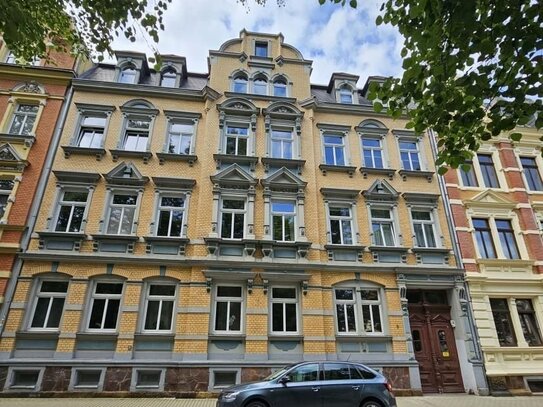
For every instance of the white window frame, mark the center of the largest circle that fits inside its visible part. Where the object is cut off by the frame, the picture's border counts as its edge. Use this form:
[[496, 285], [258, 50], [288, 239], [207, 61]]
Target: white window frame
[[238, 137], [539, 164], [51, 295], [127, 129], [277, 83], [341, 219], [122, 75], [96, 296], [111, 205], [170, 73], [344, 303], [238, 78], [432, 222], [417, 143], [34, 115], [381, 148], [229, 300], [94, 129], [476, 168], [358, 309], [283, 141], [265, 88], [283, 215], [61, 202], [343, 145], [391, 220], [161, 299], [8, 193], [223, 211], [170, 209], [285, 301], [345, 90], [182, 135]]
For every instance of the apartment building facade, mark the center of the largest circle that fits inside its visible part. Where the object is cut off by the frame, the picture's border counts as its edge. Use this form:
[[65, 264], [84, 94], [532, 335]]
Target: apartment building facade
[[31, 100], [201, 230], [496, 208]]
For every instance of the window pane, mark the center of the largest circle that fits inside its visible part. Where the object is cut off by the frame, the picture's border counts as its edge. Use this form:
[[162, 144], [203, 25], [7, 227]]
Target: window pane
[[228, 291], [221, 312], [127, 221], [305, 373], [369, 295], [111, 314], [347, 232], [344, 294], [55, 313], [239, 224], [234, 320], [277, 317], [163, 223], [97, 313], [162, 290], [336, 371], [291, 317], [226, 225], [277, 228], [166, 315], [502, 321], [152, 314], [54, 287], [279, 292], [109, 288], [335, 232], [40, 312], [233, 204]]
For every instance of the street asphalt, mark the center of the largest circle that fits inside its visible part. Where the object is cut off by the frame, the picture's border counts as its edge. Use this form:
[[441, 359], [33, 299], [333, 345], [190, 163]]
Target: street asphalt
[[426, 401]]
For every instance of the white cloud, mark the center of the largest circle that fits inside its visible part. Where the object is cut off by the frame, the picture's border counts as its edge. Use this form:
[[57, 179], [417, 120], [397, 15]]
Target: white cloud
[[337, 39]]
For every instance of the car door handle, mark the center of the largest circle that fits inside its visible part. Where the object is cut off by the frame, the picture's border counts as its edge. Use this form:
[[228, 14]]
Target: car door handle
[[316, 388], [356, 387]]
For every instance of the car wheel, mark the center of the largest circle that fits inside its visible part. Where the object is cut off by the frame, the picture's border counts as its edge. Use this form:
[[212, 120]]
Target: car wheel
[[371, 403], [256, 403]]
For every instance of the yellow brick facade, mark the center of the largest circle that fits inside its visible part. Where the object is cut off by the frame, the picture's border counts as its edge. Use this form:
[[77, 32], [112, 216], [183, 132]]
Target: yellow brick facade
[[197, 272]]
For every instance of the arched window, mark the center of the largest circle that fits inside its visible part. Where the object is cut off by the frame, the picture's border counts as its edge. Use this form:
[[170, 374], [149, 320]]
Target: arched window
[[345, 95], [280, 87], [168, 78], [128, 75], [240, 83], [260, 86]]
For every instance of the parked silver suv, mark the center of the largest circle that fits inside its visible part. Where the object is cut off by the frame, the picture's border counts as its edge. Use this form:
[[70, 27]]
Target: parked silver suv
[[337, 384]]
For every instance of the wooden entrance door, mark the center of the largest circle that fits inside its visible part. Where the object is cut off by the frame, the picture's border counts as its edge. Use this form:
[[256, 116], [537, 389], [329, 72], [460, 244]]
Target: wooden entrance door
[[435, 348]]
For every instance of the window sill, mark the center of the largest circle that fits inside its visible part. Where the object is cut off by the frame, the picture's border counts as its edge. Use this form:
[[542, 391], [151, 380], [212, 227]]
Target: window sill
[[131, 238], [501, 262], [153, 335], [363, 337], [238, 159], [98, 335], [36, 333], [388, 248], [344, 247], [429, 175], [337, 168], [98, 152], [443, 250], [145, 155], [270, 162], [301, 248], [226, 337], [285, 337], [389, 172], [166, 239], [190, 158], [26, 139]]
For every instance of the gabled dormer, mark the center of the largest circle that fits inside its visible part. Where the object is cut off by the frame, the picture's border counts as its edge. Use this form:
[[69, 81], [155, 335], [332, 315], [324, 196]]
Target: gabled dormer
[[172, 72], [131, 67], [343, 87]]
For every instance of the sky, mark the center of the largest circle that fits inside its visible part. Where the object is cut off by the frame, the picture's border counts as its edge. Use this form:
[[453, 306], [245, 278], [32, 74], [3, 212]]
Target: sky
[[335, 38]]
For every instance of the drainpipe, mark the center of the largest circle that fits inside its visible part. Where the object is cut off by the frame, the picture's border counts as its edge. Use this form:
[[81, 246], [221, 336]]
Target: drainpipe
[[34, 209], [456, 250]]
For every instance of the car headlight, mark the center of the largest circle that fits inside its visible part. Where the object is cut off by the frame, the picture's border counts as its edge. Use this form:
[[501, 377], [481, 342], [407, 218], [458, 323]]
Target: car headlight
[[230, 395]]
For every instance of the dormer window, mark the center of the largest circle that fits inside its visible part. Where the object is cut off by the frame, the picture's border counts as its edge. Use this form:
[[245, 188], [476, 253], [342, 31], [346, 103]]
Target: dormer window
[[128, 75], [260, 86], [10, 58], [346, 95], [280, 87], [261, 49], [240, 83], [168, 78]]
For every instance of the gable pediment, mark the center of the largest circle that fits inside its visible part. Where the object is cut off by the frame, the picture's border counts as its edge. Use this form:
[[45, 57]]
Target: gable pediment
[[239, 106], [490, 199], [380, 190], [233, 177], [126, 173], [9, 159], [283, 179]]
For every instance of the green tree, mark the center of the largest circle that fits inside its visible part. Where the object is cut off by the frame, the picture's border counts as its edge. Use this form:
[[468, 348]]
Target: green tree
[[78, 25], [473, 69]]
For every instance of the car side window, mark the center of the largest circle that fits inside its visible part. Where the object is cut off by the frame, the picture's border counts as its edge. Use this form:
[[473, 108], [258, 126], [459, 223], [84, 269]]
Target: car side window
[[336, 371], [305, 373], [361, 373]]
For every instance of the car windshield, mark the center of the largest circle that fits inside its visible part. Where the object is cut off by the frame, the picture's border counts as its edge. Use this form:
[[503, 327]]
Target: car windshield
[[277, 373]]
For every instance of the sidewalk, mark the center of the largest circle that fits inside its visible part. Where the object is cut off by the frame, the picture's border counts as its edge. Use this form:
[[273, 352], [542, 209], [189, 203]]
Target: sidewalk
[[426, 401]]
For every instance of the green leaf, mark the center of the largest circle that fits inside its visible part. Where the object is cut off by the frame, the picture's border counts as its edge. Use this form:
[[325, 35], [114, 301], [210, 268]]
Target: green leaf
[[353, 3], [515, 136], [377, 106]]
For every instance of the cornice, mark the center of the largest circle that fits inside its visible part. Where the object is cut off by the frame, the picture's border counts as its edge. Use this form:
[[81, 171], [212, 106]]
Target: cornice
[[37, 72]]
